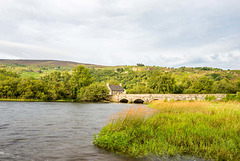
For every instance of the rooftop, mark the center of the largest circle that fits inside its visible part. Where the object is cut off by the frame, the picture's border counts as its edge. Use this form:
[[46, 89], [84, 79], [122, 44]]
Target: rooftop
[[116, 88]]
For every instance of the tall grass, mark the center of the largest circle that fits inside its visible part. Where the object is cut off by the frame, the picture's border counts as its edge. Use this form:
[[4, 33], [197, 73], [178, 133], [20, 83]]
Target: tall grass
[[210, 130]]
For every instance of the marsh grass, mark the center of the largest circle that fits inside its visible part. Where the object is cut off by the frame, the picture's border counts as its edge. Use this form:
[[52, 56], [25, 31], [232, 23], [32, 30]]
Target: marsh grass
[[210, 130]]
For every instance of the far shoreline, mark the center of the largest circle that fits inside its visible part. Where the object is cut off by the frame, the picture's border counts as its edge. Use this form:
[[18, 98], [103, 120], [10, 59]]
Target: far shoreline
[[67, 100]]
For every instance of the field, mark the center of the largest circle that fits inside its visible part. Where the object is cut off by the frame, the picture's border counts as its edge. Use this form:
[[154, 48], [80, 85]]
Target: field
[[39, 68], [208, 130]]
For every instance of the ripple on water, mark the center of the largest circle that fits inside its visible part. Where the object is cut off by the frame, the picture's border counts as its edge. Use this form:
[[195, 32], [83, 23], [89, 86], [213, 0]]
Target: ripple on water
[[4, 126]]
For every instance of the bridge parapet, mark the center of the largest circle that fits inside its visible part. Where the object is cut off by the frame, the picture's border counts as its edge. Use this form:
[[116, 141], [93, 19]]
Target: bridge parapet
[[131, 98]]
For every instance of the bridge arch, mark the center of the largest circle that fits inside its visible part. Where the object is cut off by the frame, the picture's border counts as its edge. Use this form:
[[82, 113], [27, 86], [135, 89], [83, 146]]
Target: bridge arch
[[138, 101], [123, 100]]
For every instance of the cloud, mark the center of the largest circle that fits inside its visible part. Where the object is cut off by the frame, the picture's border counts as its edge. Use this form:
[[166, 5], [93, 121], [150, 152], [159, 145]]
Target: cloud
[[226, 60], [113, 32], [20, 50]]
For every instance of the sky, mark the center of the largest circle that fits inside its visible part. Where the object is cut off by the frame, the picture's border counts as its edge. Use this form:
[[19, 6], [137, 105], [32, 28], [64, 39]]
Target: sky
[[167, 33]]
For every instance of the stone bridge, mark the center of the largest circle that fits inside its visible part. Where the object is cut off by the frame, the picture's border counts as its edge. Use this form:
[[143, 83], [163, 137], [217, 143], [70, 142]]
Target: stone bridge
[[147, 98]]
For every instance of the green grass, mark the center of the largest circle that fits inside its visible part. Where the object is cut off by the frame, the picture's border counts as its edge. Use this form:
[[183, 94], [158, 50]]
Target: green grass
[[201, 129]]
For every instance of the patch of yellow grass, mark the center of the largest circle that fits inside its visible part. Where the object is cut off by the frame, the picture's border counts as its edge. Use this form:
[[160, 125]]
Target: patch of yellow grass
[[132, 113], [194, 107]]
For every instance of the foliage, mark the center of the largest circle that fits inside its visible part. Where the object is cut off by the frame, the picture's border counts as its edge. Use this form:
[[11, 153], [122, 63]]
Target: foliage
[[80, 78], [5, 74], [8, 87], [54, 86], [210, 98], [140, 88], [232, 97], [202, 129], [58, 82], [29, 88], [113, 82], [140, 64], [94, 92], [225, 86], [202, 85], [119, 69], [162, 82]]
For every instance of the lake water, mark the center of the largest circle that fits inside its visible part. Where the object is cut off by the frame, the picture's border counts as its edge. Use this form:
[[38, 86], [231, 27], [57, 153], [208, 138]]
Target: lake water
[[54, 131]]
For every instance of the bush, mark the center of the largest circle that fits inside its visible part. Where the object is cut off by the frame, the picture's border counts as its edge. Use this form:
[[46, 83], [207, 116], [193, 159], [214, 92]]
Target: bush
[[230, 97], [238, 96], [210, 98]]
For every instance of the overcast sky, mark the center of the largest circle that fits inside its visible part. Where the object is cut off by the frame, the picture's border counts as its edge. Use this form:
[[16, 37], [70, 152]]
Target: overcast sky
[[169, 33]]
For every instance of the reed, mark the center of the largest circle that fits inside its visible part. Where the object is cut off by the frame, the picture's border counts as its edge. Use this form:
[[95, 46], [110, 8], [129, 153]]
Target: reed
[[210, 130]]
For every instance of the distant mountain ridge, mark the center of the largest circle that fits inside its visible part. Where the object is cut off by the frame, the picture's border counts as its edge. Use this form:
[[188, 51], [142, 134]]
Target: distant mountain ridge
[[46, 62]]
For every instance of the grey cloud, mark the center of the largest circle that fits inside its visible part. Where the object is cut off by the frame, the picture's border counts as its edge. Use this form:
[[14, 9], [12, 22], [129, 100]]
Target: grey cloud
[[112, 32], [19, 50]]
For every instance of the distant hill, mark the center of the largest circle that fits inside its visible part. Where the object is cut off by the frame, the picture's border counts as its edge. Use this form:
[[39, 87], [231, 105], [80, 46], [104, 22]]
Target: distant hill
[[45, 63]]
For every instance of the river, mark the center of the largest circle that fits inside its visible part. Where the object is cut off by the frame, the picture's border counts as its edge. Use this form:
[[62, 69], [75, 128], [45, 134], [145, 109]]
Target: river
[[54, 131]]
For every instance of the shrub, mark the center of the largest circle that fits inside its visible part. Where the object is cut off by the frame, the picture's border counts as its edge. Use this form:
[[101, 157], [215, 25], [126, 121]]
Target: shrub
[[238, 96], [229, 97], [210, 98]]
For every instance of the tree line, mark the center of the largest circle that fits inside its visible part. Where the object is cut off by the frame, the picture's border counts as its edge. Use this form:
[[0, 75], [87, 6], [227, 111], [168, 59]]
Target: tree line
[[84, 84], [78, 85], [160, 82]]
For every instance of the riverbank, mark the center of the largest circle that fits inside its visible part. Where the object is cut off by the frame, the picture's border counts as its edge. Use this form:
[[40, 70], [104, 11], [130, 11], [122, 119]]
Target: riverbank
[[208, 130]]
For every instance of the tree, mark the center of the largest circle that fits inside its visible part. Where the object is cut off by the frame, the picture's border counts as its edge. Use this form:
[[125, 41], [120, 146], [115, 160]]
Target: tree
[[225, 86], [140, 64], [80, 78], [141, 88], [94, 92], [55, 84], [202, 86], [8, 87], [162, 82], [29, 88], [238, 86], [113, 82]]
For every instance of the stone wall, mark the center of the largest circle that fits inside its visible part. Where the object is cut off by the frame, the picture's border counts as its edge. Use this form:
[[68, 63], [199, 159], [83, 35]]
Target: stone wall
[[131, 98]]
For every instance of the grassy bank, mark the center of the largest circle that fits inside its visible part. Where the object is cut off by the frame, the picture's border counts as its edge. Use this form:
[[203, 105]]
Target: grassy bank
[[201, 129]]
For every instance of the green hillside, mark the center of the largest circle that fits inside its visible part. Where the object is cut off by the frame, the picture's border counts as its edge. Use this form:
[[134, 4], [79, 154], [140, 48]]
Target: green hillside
[[56, 79], [39, 68]]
